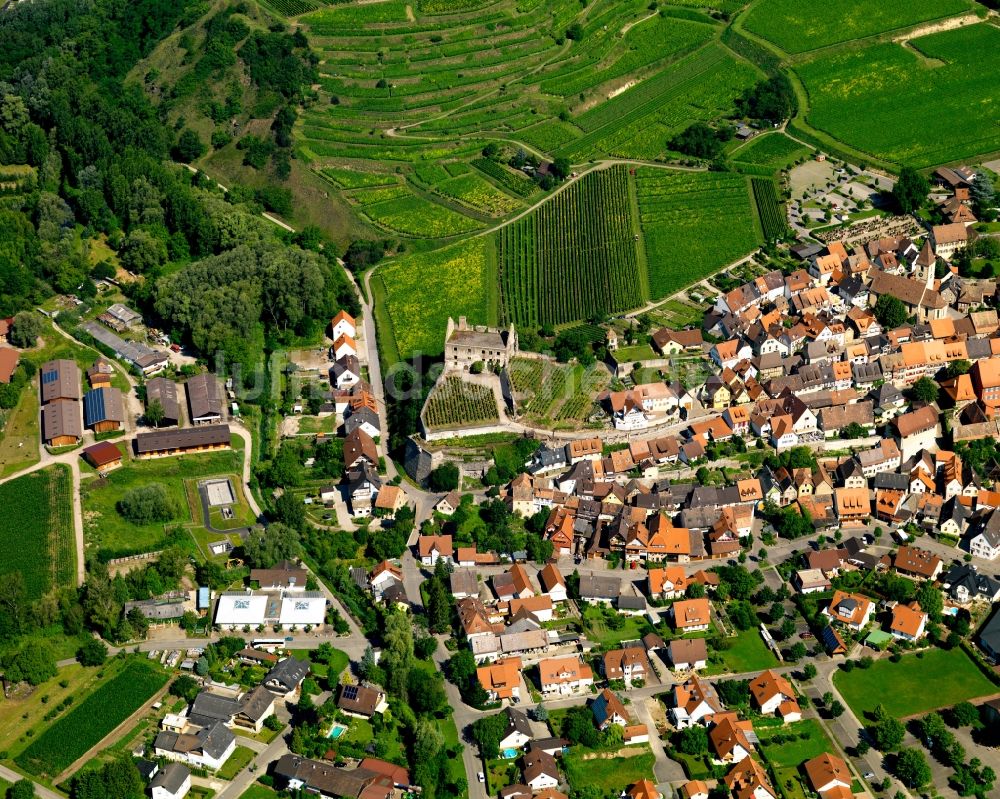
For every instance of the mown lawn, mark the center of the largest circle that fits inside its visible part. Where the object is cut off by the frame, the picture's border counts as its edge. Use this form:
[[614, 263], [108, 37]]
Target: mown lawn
[[747, 652], [238, 760], [793, 753], [600, 630], [258, 791], [613, 774], [940, 678]]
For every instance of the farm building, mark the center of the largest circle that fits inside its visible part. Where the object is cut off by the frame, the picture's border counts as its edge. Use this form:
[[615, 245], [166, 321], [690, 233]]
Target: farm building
[[100, 373], [61, 424], [204, 403], [103, 456], [120, 317], [164, 390], [178, 442], [60, 381], [8, 363], [104, 410], [146, 360]]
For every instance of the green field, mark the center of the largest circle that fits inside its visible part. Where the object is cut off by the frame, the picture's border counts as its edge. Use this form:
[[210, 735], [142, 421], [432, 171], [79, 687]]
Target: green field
[[792, 754], [257, 791], [902, 688], [89, 721], [238, 760], [457, 403], [419, 293], [573, 257], [36, 531], [693, 224], [107, 532], [747, 652], [800, 25], [772, 151], [609, 775], [951, 75]]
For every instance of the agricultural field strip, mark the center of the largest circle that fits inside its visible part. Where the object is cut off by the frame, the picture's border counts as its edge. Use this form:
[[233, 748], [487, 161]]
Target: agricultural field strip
[[92, 719], [571, 256]]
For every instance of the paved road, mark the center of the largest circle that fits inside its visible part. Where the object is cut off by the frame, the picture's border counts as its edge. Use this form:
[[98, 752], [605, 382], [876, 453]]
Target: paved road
[[40, 790], [264, 757]]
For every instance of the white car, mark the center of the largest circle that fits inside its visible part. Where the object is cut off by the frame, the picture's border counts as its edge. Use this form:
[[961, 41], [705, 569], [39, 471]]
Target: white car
[[482, 777]]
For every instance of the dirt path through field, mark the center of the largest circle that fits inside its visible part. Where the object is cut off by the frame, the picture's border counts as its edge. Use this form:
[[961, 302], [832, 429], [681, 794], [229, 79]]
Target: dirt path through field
[[936, 27]]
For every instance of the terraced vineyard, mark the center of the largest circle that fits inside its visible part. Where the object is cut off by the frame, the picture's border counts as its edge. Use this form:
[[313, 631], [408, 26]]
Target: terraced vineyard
[[457, 403], [693, 224], [572, 257], [552, 392], [771, 151], [638, 123]]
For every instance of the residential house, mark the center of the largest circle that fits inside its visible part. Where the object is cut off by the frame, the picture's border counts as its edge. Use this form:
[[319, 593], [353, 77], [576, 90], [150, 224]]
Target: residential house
[[564, 675], [729, 738], [553, 583], [628, 664], [501, 679], [518, 730], [691, 615], [286, 677], [173, 781], [343, 324], [432, 547], [918, 563], [688, 654], [908, 621], [361, 701], [608, 709], [773, 694], [851, 610], [964, 583], [829, 776], [207, 747], [694, 702], [540, 770], [748, 780]]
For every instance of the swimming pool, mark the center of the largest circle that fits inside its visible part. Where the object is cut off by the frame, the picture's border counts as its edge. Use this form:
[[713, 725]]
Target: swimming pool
[[509, 754], [336, 731]]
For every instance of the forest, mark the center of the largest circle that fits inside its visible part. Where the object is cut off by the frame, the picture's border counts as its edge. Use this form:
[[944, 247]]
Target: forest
[[94, 152]]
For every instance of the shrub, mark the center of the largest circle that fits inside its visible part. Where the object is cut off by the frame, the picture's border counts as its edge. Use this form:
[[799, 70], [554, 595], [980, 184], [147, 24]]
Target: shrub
[[147, 504]]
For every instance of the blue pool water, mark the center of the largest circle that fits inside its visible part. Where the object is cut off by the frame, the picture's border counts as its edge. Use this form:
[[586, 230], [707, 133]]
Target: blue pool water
[[337, 731], [510, 754]]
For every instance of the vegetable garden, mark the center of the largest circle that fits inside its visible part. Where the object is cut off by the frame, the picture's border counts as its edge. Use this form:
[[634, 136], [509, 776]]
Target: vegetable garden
[[457, 403], [572, 257], [36, 530], [69, 738], [694, 224]]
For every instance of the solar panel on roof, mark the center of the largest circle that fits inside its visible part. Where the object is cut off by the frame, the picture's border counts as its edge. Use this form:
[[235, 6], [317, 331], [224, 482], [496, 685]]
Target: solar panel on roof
[[49, 377], [93, 407], [350, 692]]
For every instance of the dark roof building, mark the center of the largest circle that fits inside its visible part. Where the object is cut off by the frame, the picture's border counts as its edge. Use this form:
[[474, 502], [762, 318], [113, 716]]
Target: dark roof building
[[61, 423], [204, 402], [164, 390], [325, 779], [360, 700], [287, 676], [104, 408], [60, 380], [176, 442]]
